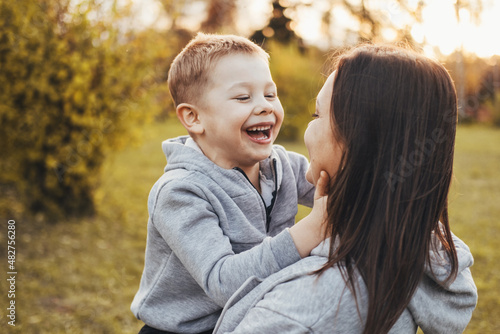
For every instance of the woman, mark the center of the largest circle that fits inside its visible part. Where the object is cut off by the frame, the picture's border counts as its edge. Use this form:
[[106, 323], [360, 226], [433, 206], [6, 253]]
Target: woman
[[384, 131]]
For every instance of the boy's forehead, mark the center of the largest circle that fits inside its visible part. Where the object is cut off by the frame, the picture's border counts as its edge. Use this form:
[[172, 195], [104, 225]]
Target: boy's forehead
[[240, 58], [240, 68]]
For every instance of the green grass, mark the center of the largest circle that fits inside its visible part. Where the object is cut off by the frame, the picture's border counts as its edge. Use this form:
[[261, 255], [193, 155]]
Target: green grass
[[79, 276], [475, 214]]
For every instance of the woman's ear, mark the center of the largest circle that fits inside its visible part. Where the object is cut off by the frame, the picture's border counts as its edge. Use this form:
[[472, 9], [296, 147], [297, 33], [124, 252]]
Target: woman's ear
[[190, 118]]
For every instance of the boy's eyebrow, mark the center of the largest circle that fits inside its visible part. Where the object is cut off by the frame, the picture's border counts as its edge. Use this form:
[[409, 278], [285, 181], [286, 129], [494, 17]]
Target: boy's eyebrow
[[241, 83], [248, 84]]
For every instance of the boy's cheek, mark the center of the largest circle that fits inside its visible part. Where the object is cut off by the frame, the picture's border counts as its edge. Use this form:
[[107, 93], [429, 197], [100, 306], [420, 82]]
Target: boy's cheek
[[276, 131], [280, 115]]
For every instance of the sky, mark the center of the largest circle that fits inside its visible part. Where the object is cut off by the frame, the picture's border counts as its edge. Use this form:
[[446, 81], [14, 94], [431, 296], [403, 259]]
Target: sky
[[439, 30]]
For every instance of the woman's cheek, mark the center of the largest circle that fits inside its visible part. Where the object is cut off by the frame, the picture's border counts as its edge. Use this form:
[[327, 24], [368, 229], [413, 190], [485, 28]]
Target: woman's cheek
[[309, 143]]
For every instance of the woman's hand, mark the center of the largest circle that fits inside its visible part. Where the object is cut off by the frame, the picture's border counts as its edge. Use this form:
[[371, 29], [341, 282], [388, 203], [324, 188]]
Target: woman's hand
[[310, 231]]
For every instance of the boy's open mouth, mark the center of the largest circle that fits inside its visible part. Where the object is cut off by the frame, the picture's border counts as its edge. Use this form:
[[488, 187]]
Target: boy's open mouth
[[259, 132]]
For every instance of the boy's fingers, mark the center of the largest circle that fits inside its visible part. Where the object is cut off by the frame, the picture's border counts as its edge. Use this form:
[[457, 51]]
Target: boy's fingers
[[322, 184]]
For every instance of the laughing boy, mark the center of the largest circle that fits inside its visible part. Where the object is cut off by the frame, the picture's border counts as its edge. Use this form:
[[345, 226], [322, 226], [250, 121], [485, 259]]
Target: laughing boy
[[224, 209]]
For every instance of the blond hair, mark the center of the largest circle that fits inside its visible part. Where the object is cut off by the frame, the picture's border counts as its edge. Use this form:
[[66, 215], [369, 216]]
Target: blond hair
[[189, 72]]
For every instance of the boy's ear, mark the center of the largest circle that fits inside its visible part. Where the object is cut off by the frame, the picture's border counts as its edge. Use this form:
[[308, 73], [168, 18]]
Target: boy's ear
[[190, 118]]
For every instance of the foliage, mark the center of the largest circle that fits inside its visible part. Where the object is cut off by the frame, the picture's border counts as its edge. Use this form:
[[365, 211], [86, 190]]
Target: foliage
[[481, 83], [80, 277], [73, 86], [494, 106], [296, 76], [220, 16], [279, 27]]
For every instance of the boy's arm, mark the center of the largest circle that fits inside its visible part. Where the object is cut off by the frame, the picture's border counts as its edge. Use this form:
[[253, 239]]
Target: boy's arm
[[310, 230], [445, 309], [185, 218], [305, 190]]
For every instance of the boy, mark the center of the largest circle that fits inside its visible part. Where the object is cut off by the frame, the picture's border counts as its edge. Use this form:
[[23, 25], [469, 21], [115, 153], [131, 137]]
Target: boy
[[224, 209]]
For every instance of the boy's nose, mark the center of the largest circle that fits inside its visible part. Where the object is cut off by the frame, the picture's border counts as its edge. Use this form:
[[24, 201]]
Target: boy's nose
[[264, 108]]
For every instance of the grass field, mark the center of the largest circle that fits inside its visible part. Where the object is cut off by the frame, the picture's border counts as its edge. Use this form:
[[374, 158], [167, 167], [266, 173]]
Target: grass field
[[79, 276]]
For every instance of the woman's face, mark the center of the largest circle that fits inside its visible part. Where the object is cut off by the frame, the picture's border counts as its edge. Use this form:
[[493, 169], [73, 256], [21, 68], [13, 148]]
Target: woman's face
[[324, 150]]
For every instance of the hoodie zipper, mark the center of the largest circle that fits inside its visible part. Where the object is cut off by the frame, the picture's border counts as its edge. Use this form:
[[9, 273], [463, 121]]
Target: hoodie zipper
[[273, 200]]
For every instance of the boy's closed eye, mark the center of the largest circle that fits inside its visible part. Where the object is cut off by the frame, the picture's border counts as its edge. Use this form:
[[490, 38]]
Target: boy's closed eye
[[247, 97]]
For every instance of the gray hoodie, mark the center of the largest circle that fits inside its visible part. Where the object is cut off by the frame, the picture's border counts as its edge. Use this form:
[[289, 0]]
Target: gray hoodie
[[293, 301], [209, 230]]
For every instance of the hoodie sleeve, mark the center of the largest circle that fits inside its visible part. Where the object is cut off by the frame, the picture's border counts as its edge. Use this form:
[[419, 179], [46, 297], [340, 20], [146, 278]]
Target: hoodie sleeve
[[305, 190], [438, 308], [187, 221]]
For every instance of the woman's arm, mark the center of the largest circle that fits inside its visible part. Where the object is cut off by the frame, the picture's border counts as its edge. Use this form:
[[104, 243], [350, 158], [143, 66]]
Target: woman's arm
[[437, 308]]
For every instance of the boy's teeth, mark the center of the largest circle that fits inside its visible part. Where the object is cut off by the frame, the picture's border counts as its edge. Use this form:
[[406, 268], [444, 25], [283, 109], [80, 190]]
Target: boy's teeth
[[259, 128], [262, 138]]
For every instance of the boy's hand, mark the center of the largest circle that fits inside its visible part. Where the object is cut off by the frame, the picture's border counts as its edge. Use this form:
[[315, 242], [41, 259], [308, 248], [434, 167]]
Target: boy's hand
[[321, 200], [310, 231]]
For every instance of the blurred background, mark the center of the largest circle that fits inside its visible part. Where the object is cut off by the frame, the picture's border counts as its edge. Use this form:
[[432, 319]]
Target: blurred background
[[84, 107]]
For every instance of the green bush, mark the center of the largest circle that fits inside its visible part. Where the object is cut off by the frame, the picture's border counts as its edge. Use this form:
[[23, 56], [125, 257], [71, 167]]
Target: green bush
[[298, 78], [73, 88]]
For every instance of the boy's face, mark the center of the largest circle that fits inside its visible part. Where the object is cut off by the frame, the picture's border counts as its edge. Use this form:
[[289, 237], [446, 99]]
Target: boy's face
[[240, 112]]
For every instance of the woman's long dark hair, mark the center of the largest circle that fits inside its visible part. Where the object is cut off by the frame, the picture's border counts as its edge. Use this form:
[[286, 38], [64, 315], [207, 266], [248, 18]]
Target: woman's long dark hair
[[395, 112]]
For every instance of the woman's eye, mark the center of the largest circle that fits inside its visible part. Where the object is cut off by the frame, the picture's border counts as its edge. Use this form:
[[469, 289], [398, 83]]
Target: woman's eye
[[315, 115]]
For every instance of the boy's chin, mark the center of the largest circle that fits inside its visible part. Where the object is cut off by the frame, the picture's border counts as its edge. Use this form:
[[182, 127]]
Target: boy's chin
[[264, 153]]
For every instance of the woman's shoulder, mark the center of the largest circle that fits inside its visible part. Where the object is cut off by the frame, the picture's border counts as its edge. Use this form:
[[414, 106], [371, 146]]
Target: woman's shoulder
[[298, 298], [325, 303], [316, 301]]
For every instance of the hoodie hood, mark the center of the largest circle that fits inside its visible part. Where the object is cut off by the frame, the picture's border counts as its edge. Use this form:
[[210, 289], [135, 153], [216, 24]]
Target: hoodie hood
[[183, 153], [439, 267]]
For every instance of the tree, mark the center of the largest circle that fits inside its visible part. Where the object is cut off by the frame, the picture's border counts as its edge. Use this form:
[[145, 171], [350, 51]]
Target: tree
[[278, 29], [72, 88], [220, 16]]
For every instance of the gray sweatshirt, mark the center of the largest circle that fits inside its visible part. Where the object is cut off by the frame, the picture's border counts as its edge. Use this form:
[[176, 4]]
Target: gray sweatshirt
[[209, 230], [292, 301]]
